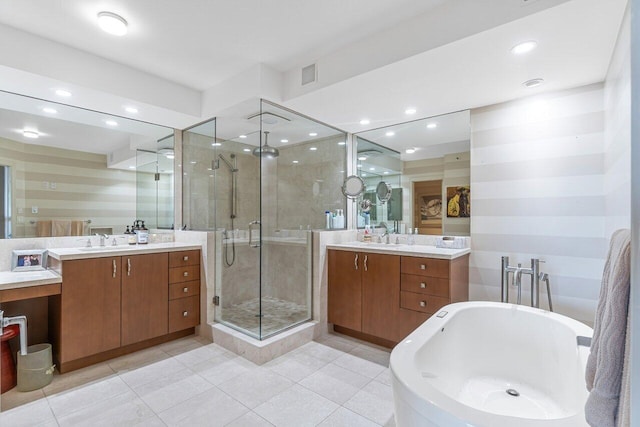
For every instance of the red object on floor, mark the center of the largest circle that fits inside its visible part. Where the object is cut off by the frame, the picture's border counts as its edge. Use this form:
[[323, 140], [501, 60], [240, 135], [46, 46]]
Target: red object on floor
[[8, 368]]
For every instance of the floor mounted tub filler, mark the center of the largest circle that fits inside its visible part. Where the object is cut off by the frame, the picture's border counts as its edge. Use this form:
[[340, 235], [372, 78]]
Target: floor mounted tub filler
[[491, 364]]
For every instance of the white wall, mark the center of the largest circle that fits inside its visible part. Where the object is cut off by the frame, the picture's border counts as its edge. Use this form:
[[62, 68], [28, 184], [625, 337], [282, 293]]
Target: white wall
[[537, 179]]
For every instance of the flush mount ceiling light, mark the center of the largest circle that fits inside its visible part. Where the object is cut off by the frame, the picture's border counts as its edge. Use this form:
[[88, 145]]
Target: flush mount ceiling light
[[410, 150], [284, 141], [313, 134], [111, 122], [432, 125], [112, 23], [533, 83], [30, 134], [410, 111], [524, 47], [390, 133], [62, 92], [49, 110], [365, 122], [132, 110]]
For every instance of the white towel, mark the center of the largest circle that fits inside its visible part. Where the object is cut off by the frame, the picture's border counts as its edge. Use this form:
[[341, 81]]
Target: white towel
[[607, 360]]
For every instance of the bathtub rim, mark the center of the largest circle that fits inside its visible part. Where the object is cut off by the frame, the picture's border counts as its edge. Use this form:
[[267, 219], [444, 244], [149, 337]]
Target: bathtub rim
[[440, 407]]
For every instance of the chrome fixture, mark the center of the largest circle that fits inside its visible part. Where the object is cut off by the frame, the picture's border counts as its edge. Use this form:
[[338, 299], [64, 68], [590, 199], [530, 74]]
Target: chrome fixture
[[234, 205], [21, 321], [266, 150], [536, 277], [103, 238], [385, 233], [251, 224]]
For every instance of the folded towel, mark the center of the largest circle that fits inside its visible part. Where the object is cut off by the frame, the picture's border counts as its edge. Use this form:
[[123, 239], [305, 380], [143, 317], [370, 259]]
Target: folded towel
[[607, 359], [60, 227], [77, 228], [43, 229]]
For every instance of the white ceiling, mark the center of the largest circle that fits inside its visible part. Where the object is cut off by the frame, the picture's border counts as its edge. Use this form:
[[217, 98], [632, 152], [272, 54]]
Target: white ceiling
[[200, 43]]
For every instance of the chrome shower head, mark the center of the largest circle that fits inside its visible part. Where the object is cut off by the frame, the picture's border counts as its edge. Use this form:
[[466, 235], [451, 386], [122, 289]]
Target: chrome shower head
[[266, 150]]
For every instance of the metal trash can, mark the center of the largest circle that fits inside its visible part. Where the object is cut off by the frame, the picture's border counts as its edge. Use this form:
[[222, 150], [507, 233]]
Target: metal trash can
[[35, 369]]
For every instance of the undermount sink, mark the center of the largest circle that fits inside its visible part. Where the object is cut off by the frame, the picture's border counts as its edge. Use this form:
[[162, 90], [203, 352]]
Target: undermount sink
[[379, 245], [103, 248]]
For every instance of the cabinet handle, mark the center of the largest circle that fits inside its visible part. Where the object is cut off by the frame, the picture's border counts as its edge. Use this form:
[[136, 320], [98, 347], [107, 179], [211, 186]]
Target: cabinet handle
[[355, 261], [185, 313], [423, 303], [423, 285], [128, 266], [423, 267], [185, 258], [115, 269], [366, 258], [185, 274], [185, 290]]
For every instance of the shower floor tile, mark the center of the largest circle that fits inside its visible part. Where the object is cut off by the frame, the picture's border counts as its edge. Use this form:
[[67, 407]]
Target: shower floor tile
[[277, 314]]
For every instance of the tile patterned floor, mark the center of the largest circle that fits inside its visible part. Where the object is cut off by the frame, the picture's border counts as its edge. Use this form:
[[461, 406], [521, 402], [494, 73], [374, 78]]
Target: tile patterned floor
[[336, 381], [277, 314]]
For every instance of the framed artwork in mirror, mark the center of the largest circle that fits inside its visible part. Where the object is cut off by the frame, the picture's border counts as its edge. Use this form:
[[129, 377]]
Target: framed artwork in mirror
[[458, 202], [29, 260], [427, 196]]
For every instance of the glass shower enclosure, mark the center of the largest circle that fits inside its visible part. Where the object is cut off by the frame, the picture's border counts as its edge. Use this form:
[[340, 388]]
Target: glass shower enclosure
[[261, 177]]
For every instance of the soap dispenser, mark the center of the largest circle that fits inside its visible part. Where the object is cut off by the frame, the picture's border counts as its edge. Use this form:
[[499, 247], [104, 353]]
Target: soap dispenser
[[132, 237], [143, 235]]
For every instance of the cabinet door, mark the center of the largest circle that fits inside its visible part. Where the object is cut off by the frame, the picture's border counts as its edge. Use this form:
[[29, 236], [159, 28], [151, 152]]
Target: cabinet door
[[90, 307], [345, 292], [380, 294], [145, 297]]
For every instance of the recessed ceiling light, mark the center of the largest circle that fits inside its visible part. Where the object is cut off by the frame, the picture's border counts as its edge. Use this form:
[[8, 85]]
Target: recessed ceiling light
[[364, 174], [112, 23], [410, 150], [242, 136], [132, 167], [193, 162], [432, 125], [295, 161], [111, 122], [216, 144], [390, 133], [246, 150], [386, 172], [313, 148], [341, 143], [284, 141], [49, 110], [359, 165], [132, 110], [410, 111], [209, 169], [372, 169], [170, 156], [365, 122], [533, 83], [62, 92], [30, 134], [313, 134], [524, 47], [362, 158]]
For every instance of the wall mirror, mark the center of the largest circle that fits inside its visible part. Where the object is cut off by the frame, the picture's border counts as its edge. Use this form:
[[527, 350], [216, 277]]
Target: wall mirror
[[425, 164], [69, 171]]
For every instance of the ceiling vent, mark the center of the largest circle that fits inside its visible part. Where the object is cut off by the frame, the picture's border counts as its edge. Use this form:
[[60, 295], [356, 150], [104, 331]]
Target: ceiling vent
[[309, 74]]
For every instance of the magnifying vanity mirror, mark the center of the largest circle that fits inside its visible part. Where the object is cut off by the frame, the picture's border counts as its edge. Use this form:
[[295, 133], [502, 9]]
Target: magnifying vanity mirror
[[353, 187], [417, 175], [69, 171]]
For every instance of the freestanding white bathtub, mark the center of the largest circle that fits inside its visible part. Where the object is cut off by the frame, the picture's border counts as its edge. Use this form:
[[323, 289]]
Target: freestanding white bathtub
[[492, 365]]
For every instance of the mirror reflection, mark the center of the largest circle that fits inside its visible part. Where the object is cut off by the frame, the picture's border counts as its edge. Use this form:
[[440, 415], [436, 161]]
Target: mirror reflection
[[426, 163], [69, 171]]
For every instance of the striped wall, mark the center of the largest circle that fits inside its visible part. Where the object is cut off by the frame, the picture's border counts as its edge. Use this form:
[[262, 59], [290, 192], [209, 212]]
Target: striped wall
[[453, 170], [65, 184], [538, 191]]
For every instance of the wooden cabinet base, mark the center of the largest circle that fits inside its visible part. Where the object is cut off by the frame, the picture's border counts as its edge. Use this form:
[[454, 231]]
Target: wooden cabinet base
[[72, 365], [364, 337]]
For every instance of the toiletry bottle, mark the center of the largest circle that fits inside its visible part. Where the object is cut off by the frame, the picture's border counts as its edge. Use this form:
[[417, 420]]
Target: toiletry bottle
[[327, 216], [143, 235], [132, 238], [367, 234], [410, 239]]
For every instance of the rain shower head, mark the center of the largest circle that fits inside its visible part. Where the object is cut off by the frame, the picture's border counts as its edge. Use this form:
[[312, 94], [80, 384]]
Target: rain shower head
[[266, 150]]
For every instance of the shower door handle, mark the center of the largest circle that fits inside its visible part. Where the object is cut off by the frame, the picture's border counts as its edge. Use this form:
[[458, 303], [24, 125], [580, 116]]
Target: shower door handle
[[251, 244]]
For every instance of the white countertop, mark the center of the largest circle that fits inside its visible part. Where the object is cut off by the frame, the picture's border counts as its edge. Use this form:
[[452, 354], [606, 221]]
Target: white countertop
[[23, 279], [401, 249], [64, 254]]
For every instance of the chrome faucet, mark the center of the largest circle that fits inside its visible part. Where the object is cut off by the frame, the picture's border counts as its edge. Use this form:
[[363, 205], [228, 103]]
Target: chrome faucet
[[103, 238], [385, 234], [536, 277]]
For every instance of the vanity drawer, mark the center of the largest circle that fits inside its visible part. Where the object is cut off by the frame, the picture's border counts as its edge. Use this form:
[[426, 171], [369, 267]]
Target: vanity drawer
[[425, 266], [421, 302], [184, 258], [185, 289], [184, 274], [425, 285], [184, 313]]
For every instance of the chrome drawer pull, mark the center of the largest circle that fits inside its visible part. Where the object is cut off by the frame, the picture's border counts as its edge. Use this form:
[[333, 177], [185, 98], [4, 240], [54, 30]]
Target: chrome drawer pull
[[185, 258], [185, 274], [423, 267], [185, 313], [423, 303], [423, 285], [185, 290]]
